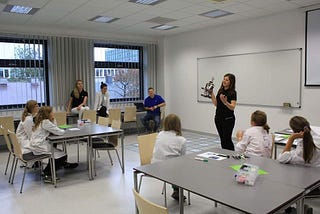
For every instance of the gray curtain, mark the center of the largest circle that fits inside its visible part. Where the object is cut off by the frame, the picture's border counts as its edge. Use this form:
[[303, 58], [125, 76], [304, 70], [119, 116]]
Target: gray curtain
[[149, 66], [69, 59]]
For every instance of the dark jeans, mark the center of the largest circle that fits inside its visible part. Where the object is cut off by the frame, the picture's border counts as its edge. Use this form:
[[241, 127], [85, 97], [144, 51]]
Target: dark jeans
[[60, 162], [225, 127], [145, 121]]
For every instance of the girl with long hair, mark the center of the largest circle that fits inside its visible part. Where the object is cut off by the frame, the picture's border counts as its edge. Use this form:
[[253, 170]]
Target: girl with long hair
[[78, 100]]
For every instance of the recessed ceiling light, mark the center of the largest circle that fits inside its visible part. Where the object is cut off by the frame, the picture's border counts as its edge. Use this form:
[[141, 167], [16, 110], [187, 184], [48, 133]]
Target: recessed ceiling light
[[147, 2], [164, 27], [216, 13], [103, 19], [20, 9]]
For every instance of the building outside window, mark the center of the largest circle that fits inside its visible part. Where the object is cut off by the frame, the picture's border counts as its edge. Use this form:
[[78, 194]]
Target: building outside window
[[22, 72], [122, 71]]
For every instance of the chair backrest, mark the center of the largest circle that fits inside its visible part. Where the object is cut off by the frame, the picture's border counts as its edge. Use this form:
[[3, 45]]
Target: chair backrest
[[116, 124], [7, 122], [130, 114], [146, 145], [91, 115], [61, 117], [146, 207], [104, 121], [15, 144], [114, 114], [4, 132]]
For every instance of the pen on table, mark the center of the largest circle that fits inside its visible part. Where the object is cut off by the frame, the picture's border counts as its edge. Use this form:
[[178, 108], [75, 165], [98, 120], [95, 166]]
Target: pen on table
[[201, 159], [223, 155]]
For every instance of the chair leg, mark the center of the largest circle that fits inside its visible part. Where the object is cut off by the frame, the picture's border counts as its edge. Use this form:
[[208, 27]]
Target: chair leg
[[137, 128], [189, 198], [24, 175], [14, 170], [12, 167], [9, 156], [78, 152], [94, 162], [110, 157], [98, 153], [118, 158]]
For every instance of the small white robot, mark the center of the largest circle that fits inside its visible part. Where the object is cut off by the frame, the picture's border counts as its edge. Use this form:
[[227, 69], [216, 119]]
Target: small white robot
[[207, 90]]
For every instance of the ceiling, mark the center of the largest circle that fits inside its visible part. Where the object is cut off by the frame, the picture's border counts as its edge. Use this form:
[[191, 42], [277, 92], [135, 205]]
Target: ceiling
[[74, 14]]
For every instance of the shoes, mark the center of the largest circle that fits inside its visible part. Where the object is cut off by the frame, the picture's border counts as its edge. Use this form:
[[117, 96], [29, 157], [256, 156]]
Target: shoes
[[175, 196], [70, 165], [36, 165], [48, 179]]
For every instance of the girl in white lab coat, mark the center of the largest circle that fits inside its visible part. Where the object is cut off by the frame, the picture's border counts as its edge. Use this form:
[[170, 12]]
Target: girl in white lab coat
[[256, 140], [26, 124], [45, 125]]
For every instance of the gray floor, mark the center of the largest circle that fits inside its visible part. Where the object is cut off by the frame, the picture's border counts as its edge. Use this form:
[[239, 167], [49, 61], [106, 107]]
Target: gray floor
[[109, 192]]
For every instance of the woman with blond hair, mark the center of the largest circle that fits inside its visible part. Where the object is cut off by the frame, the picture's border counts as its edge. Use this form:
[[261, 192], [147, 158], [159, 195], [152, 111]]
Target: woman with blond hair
[[170, 144], [78, 100]]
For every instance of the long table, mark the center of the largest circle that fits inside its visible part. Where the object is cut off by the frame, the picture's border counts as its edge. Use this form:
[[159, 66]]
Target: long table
[[87, 132], [214, 180]]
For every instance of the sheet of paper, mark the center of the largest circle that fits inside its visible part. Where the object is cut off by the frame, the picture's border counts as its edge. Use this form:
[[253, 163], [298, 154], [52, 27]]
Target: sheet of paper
[[74, 129], [213, 156]]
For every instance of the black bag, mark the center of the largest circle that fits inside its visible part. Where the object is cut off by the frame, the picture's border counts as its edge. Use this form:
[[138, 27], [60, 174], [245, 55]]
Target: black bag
[[102, 112]]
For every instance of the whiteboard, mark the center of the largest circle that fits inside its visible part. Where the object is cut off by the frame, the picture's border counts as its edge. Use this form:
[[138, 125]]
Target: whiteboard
[[270, 78]]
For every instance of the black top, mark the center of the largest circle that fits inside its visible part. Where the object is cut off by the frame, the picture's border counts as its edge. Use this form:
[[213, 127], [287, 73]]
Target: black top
[[223, 111], [76, 102]]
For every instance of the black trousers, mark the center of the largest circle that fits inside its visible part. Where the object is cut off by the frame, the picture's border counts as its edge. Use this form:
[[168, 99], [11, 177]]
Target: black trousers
[[225, 127], [58, 163]]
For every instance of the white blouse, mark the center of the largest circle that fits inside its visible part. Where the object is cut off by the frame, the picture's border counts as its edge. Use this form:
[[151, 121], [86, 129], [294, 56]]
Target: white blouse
[[295, 156], [24, 132], [255, 141], [168, 145]]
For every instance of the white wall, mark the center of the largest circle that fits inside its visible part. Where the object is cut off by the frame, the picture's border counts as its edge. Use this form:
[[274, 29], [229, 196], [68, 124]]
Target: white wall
[[280, 31]]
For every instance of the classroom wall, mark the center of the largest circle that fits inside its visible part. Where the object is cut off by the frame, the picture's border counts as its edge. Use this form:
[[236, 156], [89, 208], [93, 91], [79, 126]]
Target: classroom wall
[[279, 31]]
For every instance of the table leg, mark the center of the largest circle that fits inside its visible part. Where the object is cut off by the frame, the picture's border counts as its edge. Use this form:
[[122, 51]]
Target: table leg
[[181, 200], [122, 151], [300, 206], [53, 170], [135, 183], [275, 151], [90, 158]]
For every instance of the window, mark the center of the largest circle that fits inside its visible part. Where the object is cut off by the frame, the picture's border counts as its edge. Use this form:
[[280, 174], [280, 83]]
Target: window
[[121, 69], [23, 72]]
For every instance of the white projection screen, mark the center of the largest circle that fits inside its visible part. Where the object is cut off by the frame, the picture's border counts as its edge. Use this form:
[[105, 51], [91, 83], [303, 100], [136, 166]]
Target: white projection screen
[[312, 48]]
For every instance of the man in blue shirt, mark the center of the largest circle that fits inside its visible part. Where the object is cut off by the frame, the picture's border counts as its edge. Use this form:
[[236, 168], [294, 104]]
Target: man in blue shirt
[[152, 104]]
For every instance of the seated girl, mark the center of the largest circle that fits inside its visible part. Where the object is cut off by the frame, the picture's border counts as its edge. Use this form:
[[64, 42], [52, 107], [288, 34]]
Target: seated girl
[[45, 124], [170, 144], [307, 152], [256, 140]]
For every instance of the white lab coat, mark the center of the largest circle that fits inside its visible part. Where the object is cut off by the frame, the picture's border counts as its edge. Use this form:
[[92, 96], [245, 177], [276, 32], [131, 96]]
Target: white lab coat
[[98, 101], [168, 145], [295, 156], [24, 132], [39, 143], [255, 141]]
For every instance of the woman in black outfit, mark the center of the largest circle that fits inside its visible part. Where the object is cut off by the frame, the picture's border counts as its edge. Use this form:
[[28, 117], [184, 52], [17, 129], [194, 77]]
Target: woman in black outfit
[[225, 101]]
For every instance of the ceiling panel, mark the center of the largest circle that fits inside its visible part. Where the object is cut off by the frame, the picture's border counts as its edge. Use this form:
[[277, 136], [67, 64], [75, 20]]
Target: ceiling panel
[[74, 14]]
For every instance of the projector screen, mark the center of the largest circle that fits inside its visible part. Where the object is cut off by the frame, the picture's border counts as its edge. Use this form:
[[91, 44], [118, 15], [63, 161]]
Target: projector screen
[[312, 48]]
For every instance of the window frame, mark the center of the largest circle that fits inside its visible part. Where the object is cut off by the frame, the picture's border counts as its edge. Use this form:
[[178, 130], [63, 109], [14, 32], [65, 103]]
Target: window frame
[[28, 63], [119, 65]]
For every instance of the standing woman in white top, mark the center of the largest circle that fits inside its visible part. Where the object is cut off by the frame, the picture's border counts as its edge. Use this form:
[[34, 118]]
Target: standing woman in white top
[[26, 124], [102, 101], [170, 144], [307, 152], [256, 140], [45, 124]]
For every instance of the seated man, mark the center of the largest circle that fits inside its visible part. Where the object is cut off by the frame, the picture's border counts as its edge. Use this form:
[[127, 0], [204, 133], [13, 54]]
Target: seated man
[[152, 104]]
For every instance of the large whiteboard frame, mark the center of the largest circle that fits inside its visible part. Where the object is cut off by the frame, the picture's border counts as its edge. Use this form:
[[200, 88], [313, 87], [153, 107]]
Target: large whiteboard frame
[[270, 78]]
